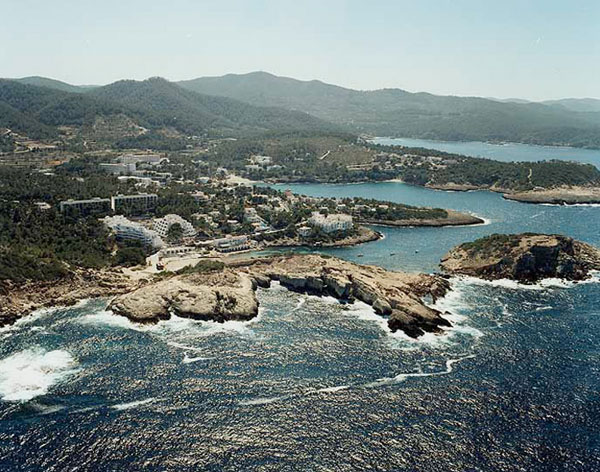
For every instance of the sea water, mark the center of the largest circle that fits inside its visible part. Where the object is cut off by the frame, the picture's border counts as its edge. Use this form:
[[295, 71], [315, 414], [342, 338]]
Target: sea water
[[313, 384]]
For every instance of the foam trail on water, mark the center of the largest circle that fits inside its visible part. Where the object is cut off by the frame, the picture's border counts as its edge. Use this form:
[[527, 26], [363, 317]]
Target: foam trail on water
[[263, 400], [402, 377], [185, 347], [32, 372], [134, 404], [188, 360], [330, 389]]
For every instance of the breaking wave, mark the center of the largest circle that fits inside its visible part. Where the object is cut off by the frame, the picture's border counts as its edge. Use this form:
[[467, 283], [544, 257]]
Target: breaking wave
[[30, 373]]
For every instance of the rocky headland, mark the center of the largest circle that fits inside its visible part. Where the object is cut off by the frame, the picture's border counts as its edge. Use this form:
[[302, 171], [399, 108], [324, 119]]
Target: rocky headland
[[362, 235], [453, 218], [524, 257], [230, 293], [559, 195], [18, 300]]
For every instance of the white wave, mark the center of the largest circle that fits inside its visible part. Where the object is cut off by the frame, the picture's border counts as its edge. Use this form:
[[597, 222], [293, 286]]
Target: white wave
[[30, 373], [189, 360], [134, 404], [108, 318], [185, 347], [301, 302], [591, 205], [544, 284], [174, 324], [366, 312], [263, 400]]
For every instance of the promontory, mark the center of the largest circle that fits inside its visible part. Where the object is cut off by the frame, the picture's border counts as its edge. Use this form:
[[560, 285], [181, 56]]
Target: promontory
[[228, 292], [526, 257]]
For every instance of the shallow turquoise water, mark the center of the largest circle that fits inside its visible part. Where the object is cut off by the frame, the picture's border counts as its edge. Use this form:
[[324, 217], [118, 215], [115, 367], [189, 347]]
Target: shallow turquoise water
[[501, 152]]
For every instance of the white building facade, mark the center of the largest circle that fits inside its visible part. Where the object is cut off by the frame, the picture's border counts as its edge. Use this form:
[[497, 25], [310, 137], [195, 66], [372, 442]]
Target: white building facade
[[331, 223], [162, 225], [126, 230]]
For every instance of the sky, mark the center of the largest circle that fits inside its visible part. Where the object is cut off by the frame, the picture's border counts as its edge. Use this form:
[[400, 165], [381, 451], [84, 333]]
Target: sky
[[539, 49]]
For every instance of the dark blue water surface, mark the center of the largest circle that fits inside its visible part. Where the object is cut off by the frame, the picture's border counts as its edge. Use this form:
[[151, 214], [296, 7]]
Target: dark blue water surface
[[500, 152], [313, 385]]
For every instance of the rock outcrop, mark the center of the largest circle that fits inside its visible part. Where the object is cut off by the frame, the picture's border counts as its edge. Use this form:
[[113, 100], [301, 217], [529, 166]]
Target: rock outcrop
[[395, 295], [230, 294], [18, 300], [218, 296], [523, 257], [566, 195]]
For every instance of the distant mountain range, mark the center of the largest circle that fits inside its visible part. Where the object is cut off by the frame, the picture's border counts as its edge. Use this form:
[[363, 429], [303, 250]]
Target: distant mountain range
[[395, 112], [38, 110], [259, 101]]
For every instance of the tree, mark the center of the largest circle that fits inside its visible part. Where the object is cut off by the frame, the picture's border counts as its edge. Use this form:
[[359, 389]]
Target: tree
[[175, 233]]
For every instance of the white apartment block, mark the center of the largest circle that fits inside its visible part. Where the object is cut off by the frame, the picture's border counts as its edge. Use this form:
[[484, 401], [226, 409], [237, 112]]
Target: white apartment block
[[331, 223], [162, 225], [140, 202], [126, 230]]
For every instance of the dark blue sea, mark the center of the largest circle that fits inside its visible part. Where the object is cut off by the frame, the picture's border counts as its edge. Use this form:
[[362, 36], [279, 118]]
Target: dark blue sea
[[314, 385]]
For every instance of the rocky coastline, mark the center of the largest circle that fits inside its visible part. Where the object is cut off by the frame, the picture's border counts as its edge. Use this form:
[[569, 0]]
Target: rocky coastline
[[453, 218], [19, 300], [558, 196], [363, 235], [231, 294], [527, 258]]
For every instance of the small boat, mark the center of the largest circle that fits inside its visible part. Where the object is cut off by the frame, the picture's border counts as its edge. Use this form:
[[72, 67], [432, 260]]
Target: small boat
[[392, 253], [359, 255], [416, 250]]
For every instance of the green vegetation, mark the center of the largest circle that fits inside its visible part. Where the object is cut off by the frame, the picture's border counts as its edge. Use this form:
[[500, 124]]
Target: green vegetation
[[155, 104], [175, 233], [491, 244], [36, 244], [129, 256], [203, 267]]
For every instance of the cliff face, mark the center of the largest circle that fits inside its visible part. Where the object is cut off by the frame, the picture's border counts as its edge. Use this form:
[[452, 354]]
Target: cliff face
[[395, 295], [230, 294], [523, 257], [18, 300]]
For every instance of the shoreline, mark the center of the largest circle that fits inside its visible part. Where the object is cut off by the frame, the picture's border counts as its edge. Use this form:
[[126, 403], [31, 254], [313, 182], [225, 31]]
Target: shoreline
[[491, 143], [230, 294], [557, 196], [455, 218], [20, 300]]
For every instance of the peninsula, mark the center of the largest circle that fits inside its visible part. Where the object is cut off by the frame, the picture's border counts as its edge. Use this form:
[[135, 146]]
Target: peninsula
[[227, 292]]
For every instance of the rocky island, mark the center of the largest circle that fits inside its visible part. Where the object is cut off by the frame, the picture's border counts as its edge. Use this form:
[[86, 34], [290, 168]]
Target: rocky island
[[527, 257], [229, 292]]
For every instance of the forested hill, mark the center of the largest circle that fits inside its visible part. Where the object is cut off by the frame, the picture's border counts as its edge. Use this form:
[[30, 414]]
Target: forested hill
[[395, 112], [161, 103], [52, 84], [153, 104]]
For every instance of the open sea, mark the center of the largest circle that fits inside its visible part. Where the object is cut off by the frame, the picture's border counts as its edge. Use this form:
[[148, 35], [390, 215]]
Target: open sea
[[315, 385]]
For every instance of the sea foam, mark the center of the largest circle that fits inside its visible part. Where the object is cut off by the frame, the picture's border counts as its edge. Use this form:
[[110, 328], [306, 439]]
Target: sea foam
[[30, 373]]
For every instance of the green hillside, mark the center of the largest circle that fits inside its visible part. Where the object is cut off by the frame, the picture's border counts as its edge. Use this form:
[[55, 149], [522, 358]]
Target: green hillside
[[51, 84], [153, 104], [395, 112]]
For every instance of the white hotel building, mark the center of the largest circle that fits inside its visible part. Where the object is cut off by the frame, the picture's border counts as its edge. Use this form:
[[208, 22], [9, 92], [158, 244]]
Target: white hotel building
[[331, 223], [126, 230], [162, 225]]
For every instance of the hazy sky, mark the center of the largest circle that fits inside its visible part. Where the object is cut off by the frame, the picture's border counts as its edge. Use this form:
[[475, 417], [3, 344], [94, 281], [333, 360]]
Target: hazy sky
[[504, 48]]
